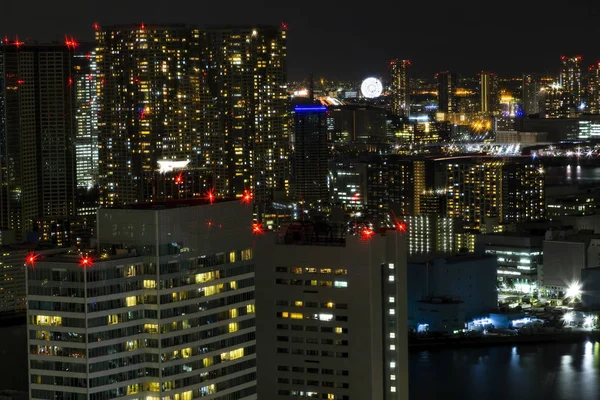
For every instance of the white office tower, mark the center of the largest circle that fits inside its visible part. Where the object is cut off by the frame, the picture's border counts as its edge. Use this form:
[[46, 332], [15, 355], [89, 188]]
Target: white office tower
[[165, 310], [332, 320]]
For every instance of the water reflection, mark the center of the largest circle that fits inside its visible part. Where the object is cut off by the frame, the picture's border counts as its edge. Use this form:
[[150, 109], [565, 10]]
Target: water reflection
[[549, 371], [571, 174]]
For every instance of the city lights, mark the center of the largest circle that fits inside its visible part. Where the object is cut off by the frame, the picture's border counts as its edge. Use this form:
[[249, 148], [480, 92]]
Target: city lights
[[573, 292], [257, 228]]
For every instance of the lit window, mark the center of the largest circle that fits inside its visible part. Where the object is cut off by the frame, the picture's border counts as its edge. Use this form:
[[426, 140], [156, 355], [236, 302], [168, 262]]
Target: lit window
[[285, 314], [393, 389], [338, 329], [298, 303], [325, 317], [392, 311], [391, 278], [131, 301], [392, 377], [392, 347], [340, 284], [392, 299], [296, 316], [392, 364], [392, 335], [391, 266]]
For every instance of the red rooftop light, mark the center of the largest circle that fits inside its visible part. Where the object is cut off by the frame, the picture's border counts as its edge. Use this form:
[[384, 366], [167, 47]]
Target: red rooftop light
[[257, 228], [96, 26], [247, 197], [401, 226], [30, 259], [85, 261], [179, 178], [71, 43], [210, 195], [367, 233]]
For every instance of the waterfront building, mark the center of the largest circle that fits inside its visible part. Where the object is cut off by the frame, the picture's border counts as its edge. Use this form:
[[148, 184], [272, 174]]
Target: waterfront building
[[332, 319], [468, 278], [163, 309]]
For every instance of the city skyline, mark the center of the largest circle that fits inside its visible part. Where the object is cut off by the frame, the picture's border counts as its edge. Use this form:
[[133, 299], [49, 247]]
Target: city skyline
[[440, 38]]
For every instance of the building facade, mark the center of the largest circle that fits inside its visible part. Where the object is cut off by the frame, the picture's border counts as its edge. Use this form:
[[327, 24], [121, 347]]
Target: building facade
[[163, 310], [400, 87], [37, 133], [332, 316], [310, 154]]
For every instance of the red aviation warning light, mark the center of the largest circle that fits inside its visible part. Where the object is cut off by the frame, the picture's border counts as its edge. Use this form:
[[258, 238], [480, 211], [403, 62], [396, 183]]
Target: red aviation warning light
[[247, 197], [85, 261], [284, 26], [210, 195], [18, 43], [367, 233], [31, 258], [400, 226], [257, 228], [143, 26], [71, 43], [96, 26], [179, 178]]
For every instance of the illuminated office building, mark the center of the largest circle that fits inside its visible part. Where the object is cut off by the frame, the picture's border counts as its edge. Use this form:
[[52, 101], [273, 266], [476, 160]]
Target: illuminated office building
[[428, 234], [522, 193], [37, 132], [86, 116], [150, 91], [247, 78], [571, 79], [488, 93], [332, 320], [164, 309], [348, 183], [400, 87], [446, 88]]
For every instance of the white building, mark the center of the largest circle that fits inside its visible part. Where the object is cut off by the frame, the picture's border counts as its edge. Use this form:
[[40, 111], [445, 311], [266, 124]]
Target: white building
[[165, 310], [332, 321]]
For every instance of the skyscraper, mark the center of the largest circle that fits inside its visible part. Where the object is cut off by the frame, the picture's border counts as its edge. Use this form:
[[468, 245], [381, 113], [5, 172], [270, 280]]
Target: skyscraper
[[37, 132], [446, 86], [400, 87], [571, 79], [247, 79], [150, 87], [531, 94], [165, 309], [593, 91], [332, 319], [310, 153], [488, 92], [86, 115]]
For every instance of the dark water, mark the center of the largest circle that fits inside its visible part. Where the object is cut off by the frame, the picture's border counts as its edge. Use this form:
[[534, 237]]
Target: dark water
[[572, 174], [545, 371]]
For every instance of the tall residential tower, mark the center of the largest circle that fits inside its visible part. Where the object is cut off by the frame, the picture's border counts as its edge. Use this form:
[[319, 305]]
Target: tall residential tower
[[400, 87]]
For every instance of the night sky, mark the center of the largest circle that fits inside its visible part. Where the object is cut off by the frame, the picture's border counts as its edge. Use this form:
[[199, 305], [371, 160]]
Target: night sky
[[351, 39]]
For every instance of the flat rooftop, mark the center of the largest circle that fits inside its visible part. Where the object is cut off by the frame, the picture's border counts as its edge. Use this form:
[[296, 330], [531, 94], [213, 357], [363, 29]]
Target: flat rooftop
[[169, 204]]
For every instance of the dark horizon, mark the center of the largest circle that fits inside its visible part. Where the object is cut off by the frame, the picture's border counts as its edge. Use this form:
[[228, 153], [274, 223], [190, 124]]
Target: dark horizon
[[340, 42]]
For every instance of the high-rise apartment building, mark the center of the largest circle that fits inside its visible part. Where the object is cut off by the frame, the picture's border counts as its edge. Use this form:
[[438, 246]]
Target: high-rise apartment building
[[37, 132], [531, 94], [246, 69], [86, 115], [332, 321], [593, 89], [394, 187], [150, 93], [571, 79], [310, 154], [511, 191], [165, 309], [446, 88], [400, 87], [488, 93]]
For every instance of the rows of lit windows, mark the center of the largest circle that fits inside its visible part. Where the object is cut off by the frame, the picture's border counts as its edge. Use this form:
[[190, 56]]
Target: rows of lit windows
[[312, 270], [313, 282]]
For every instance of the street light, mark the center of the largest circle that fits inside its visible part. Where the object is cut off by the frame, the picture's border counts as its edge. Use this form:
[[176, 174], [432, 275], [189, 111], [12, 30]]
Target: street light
[[574, 291]]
